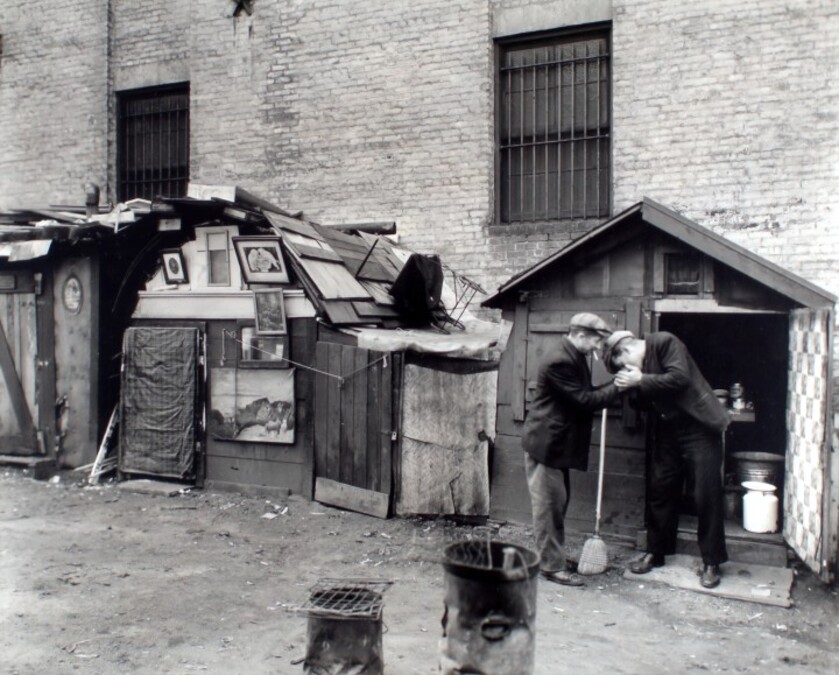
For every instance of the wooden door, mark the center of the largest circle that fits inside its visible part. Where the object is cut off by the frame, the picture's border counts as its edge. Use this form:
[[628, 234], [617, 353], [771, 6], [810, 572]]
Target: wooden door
[[355, 425], [810, 493], [27, 392]]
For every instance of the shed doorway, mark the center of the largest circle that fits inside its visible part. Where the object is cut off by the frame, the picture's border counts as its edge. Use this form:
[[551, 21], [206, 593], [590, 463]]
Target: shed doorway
[[781, 362]]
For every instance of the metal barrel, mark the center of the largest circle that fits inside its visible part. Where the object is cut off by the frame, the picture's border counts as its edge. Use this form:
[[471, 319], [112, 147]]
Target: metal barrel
[[490, 609]]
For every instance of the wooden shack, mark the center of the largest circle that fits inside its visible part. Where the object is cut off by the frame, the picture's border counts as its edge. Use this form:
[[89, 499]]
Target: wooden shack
[[54, 292], [744, 319], [267, 353]]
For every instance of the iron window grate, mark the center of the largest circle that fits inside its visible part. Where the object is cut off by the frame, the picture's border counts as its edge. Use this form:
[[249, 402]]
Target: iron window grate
[[153, 142], [554, 129], [346, 598]]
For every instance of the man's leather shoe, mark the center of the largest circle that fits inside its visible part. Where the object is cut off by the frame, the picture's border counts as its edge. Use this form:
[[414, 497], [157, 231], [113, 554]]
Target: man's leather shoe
[[646, 563], [711, 576]]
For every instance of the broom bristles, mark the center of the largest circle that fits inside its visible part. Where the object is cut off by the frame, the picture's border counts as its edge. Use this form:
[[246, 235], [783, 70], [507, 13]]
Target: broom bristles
[[594, 558]]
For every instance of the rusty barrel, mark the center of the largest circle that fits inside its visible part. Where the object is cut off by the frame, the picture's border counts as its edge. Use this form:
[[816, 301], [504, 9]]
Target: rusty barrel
[[490, 609]]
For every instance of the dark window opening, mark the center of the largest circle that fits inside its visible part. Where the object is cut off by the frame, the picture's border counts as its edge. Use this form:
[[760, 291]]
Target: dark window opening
[[684, 273], [153, 142], [554, 128]]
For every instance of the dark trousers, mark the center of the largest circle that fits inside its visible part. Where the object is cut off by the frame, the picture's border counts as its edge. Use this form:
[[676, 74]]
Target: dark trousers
[[686, 453]]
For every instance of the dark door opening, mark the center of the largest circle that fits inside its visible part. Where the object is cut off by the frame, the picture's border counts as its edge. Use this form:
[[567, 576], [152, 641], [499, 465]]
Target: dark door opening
[[751, 350]]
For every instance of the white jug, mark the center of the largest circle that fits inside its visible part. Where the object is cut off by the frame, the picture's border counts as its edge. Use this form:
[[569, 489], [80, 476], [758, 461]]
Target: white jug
[[760, 507]]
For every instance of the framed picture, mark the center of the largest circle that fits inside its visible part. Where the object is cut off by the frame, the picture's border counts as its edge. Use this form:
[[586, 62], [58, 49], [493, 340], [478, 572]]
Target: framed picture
[[252, 405], [262, 351], [269, 310], [261, 260], [174, 268]]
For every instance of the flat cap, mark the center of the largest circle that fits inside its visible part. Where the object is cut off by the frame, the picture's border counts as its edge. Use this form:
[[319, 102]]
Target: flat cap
[[611, 344], [590, 322]]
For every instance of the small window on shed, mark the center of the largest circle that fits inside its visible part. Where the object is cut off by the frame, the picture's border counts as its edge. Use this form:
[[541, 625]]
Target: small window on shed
[[683, 273]]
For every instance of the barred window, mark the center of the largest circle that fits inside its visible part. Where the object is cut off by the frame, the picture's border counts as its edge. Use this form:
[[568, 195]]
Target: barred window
[[153, 142], [554, 124]]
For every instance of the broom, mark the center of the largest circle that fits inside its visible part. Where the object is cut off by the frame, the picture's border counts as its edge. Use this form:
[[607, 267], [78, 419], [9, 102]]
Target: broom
[[594, 558]]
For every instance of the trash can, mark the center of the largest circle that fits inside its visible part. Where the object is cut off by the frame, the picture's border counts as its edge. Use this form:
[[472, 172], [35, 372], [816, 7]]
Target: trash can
[[490, 609]]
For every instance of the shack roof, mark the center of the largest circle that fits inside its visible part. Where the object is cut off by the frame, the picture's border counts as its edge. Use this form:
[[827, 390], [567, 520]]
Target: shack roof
[[651, 214], [346, 271]]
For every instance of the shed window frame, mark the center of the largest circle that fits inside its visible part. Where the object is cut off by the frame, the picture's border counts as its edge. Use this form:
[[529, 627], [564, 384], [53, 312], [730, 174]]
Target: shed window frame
[[553, 147], [153, 142], [210, 249], [251, 344]]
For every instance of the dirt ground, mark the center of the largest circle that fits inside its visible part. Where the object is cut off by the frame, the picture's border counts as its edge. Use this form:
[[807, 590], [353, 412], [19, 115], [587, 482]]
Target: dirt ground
[[104, 580]]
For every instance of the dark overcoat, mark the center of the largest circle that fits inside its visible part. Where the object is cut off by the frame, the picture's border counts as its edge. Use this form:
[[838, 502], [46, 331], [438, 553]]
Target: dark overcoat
[[672, 381], [557, 429]]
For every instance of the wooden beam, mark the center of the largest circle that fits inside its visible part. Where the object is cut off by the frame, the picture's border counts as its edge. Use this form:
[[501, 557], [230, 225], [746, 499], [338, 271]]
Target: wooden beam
[[350, 497], [15, 391]]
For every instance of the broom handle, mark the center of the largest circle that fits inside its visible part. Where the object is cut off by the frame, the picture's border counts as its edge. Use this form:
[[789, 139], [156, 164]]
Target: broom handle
[[600, 472]]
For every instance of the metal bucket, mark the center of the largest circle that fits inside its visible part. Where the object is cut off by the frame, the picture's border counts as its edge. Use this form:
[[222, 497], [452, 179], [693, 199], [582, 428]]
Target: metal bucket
[[490, 609], [760, 467]]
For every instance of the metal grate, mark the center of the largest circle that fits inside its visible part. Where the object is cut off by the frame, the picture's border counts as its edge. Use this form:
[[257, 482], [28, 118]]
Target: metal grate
[[346, 598], [153, 142], [554, 129]]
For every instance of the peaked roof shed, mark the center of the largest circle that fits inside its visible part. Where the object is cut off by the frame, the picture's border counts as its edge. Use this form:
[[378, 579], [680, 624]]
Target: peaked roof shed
[[745, 320]]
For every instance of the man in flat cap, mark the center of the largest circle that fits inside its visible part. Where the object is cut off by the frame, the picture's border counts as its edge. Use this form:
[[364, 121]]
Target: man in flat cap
[[557, 435], [687, 427]]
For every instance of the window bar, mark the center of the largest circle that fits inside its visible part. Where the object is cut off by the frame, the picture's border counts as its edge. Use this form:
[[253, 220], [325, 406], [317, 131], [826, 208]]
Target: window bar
[[573, 121], [507, 151], [598, 127], [532, 146], [559, 142], [585, 133], [547, 208], [520, 204]]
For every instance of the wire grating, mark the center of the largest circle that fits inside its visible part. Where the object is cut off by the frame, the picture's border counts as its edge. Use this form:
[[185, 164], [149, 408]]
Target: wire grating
[[346, 598]]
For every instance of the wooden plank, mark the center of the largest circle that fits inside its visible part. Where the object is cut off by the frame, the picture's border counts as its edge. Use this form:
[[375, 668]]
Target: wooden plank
[[574, 305], [259, 473], [321, 407], [44, 395], [389, 424], [333, 415], [257, 452], [352, 498], [15, 391], [518, 341], [374, 438], [341, 313], [347, 416], [333, 281], [361, 410]]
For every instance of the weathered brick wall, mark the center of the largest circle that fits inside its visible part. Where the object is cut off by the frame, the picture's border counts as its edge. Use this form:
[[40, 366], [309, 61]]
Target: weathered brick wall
[[379, 110], [52, 100], [727, 111]]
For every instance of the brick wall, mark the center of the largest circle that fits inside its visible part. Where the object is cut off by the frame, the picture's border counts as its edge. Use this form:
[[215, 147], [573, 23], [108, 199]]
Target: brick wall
[[53, 78], [383, 110], [727, 111]]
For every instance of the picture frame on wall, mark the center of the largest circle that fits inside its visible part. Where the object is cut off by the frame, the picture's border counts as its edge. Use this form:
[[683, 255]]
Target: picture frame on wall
[[174, 266], [269, 311], [261, 260]]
